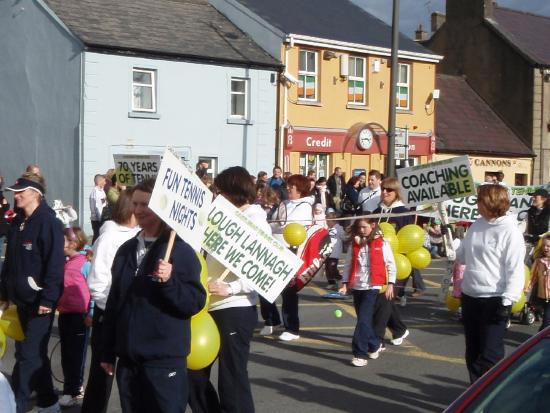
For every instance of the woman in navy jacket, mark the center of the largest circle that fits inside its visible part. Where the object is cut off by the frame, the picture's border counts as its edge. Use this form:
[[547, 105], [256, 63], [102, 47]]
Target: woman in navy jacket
[[32, 278], [148, 314]]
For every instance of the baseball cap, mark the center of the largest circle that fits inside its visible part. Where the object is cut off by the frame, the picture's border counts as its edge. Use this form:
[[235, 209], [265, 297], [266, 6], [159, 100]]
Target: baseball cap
[[22, 184], [331, 211], [542, 192]]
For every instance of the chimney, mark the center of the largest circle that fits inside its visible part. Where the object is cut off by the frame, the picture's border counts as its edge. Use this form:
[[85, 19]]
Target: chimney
[[420, 34], [437, 21]]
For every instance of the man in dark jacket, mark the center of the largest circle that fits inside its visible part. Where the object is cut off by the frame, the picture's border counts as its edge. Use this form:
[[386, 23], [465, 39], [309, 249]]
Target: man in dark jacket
[[538, 216], [32, 278], [335, 184]]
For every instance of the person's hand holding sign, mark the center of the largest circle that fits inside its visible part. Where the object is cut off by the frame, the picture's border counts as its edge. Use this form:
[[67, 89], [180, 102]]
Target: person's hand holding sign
[[164, 271], [220, 288]]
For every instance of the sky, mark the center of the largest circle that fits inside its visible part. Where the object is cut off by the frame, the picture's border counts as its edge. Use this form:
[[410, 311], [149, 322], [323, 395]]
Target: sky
[[414, 12]]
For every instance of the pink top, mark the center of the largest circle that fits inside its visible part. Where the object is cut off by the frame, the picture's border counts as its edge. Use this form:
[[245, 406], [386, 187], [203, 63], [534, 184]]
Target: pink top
[[76, 295]]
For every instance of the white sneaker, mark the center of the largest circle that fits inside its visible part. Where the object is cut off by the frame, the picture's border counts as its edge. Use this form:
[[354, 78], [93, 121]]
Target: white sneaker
[[288, 336], [403, 301], [266, 331], [399, 341], [67, 400], [359, 362], [375, 354], [54, 408]]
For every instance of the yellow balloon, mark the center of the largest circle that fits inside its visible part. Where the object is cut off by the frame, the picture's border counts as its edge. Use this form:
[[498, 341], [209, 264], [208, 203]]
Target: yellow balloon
[[294, 234], [3, 344], [527, 273], [453, 303], [393, 241], [386, 228], [518, 305], [403, 265], [411, 237], [204, 280], [420, 258], [205, 342], [9, 322]]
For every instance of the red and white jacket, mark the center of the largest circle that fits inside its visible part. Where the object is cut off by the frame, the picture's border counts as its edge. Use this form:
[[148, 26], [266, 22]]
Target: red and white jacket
[[369, 265]]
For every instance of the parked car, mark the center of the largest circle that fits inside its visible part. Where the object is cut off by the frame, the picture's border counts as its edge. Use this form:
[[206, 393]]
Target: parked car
[[519, 383]]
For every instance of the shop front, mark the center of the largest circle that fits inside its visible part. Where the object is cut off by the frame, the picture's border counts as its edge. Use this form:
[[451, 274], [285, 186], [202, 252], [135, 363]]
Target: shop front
[[517, 171], [322, 150]]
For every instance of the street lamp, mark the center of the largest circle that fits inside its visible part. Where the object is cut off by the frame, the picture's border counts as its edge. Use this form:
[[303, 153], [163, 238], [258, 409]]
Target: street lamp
[[390, 167]]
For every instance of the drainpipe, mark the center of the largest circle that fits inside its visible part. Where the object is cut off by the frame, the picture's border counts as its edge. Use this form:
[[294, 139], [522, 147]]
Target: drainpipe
[[280, 160]]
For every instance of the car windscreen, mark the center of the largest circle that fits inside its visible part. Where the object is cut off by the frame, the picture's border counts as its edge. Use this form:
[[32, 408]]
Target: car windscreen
[[523, 387]]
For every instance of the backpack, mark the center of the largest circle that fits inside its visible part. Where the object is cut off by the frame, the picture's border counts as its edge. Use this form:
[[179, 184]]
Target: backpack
[[313, 252]]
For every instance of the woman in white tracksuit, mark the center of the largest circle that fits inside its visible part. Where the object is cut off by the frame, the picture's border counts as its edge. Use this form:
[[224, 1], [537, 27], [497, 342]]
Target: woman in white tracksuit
[[493, 253]]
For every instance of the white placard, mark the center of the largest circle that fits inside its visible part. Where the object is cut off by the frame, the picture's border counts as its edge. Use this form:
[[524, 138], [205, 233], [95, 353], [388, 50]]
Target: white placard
[[436, 181], [181, 200], [247, 251], [133, 169]]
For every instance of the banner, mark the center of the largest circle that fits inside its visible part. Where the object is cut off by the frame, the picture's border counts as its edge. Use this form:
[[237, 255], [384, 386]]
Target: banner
[[133, 169], [253, 255], [436, 182], [181, 200]]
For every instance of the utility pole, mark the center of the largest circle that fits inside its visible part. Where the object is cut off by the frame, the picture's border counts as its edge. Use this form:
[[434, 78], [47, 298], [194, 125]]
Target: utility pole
[[390, 167]]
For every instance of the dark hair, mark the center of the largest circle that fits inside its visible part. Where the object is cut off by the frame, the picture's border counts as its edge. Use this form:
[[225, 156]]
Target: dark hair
[[123, 208], [277, 167], [146, 186], [261, 173], [321, 180], [355, 227], [75, 234], [301, 183], [236, 185], [353, 180]]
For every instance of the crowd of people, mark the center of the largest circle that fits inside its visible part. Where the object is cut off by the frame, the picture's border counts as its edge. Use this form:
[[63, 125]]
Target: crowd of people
[[136, 298]]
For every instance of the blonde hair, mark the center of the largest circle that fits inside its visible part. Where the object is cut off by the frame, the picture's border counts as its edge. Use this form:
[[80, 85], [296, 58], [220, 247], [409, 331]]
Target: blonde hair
[[540, 250], [393, 184]]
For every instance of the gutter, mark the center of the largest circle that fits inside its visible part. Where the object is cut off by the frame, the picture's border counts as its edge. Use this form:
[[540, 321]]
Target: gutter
[[361, 48]]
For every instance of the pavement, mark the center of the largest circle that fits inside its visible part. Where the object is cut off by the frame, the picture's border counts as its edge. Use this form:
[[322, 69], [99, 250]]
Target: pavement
[[313, 374]]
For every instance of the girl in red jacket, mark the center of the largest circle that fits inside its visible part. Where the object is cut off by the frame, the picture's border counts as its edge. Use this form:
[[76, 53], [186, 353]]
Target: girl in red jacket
[[73, 308], [370, 265]]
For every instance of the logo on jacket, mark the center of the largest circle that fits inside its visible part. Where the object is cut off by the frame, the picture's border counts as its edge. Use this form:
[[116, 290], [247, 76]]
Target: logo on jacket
[[172, 374], [27, 245]]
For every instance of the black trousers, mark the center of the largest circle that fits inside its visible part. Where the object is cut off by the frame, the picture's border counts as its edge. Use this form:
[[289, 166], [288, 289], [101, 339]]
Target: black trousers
[[387, 314], [289, 309], [269, 312], [331, 270], [152, 388], [484, 333], [32, 370], [74, 343], [98, 388], [96, 225], [236, 326]]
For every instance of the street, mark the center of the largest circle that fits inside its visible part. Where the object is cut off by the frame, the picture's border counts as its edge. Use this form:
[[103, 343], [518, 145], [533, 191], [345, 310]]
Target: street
[[314, 374]]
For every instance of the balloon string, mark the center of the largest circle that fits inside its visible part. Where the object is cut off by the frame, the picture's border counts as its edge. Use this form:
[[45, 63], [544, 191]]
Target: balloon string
[[380, 216]]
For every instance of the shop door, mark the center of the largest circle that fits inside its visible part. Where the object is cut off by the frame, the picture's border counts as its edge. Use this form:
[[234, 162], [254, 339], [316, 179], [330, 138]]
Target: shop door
[[317, 162]]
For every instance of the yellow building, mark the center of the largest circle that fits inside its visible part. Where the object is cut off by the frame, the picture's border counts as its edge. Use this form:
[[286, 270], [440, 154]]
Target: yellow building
[[336, 74]]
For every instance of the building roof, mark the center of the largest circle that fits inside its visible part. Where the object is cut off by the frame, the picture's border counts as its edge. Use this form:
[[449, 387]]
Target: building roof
[[465, 123], [330, 19], [529, 33], [190, 29]]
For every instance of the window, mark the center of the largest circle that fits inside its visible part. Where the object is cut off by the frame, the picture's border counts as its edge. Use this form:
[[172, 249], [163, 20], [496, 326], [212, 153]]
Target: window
[[356, 81], [144, 90], [403, 87], [307, 75], [317, 162], [239, 98]]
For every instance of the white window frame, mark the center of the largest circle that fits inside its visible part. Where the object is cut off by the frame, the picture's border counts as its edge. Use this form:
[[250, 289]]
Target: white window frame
[[246, 97], [406, 84], [302, 74], [153, 87], [362, 78]]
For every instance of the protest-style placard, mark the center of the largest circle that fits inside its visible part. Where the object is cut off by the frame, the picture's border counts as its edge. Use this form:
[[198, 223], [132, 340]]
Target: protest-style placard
[[133, 169], [181, 200], [436, 181], [247, 251]]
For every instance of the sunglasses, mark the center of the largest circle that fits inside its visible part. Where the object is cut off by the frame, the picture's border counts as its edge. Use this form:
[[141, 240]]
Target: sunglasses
[[388, 189]]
